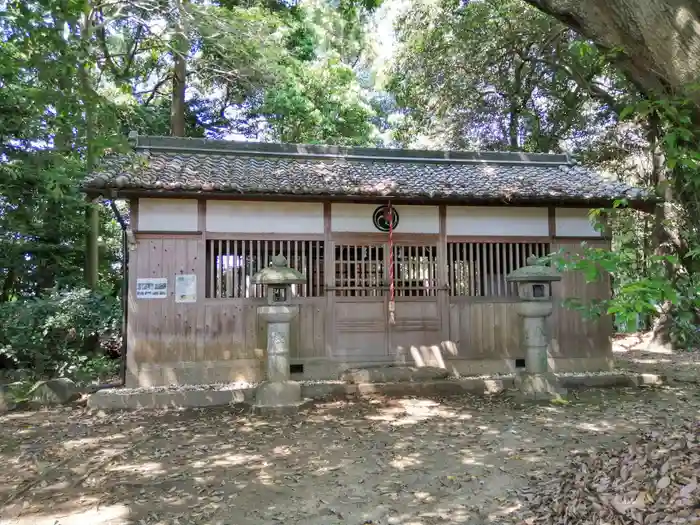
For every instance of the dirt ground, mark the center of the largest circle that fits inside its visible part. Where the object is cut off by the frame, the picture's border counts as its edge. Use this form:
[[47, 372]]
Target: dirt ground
[[409, 461], [638, 353]]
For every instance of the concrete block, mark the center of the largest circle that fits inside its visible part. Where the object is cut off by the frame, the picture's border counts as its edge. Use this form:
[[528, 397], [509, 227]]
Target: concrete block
[[115, 400], [387, 374], [537, 387], [597, 381], [205, 397], [327, 390], [278, 393], [476, 386], [280, 410]]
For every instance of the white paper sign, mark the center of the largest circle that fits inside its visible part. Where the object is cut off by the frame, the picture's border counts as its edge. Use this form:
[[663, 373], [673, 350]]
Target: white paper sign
[[186, 288], [152, 288]]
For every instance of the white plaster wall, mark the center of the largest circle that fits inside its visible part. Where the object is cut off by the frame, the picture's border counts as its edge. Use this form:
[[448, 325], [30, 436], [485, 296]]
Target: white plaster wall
[[574, 222], [175, 215], [264, 217], [499, 221], [358, 218]]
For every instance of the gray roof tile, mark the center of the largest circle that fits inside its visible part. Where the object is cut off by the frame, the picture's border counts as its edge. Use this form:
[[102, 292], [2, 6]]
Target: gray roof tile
[[172, 165]]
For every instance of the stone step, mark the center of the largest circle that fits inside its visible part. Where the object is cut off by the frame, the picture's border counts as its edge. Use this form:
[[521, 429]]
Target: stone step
[[219, 395]]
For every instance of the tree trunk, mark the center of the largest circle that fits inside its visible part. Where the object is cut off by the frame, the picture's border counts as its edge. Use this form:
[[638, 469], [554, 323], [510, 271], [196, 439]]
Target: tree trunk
[[657, 44], [92, 211], [514, 122], [92, 216], [660, 237], [177, 108], [659, 39], [177, 116]]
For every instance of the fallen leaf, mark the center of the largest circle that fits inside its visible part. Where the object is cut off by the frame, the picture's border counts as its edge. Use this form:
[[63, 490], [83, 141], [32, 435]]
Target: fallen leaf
[[663, 483]]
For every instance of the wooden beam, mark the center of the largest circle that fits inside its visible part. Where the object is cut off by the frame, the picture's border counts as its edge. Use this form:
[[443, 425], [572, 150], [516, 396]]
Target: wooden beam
[[443, 289], [169, 234], [133, 214], [329, 280], [92, 248], [552, 218], [267, 236], [491, 239]]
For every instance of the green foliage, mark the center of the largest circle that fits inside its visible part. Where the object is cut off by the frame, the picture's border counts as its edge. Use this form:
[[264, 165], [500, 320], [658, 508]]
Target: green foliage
[[675, 122], [497, 74], [638, 293], [633, 297], [321, 104], [49, 335], [76, 77]]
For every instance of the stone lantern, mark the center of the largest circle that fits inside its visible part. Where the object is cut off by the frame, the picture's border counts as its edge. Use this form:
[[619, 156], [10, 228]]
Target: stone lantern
[[534, 283], [278, 393]]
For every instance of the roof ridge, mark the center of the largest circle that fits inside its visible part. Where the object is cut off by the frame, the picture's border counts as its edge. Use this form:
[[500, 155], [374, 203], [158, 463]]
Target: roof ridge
[[311, 151]]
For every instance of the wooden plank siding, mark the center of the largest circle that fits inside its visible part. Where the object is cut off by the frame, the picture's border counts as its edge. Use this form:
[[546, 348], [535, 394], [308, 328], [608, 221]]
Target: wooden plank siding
[[574, 336], [454, 301], [484, 330], [162, 330], [488, 327]]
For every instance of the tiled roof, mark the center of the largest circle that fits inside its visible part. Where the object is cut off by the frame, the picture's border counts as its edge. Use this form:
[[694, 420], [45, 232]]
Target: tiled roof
[[179, 165]]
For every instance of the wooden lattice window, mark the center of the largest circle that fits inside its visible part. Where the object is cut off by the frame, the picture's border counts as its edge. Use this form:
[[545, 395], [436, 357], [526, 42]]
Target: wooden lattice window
[[415, 271], [362, 270], [359, 270], [480, 268], [232, 263]]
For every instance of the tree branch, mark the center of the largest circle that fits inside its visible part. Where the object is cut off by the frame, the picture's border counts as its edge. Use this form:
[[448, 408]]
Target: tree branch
[[154, 91]]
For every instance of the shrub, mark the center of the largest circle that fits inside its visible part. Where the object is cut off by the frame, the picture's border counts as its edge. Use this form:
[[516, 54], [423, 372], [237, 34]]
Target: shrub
[[58, 334]]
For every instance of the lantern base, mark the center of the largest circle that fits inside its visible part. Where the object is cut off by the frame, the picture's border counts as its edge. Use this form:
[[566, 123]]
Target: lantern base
[[278, 397], [542, 387]]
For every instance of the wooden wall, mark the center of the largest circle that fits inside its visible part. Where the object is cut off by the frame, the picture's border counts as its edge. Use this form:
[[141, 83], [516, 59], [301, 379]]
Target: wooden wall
[[483, 329], [574, 336], [489, 328], [226, 331], [163, 330]]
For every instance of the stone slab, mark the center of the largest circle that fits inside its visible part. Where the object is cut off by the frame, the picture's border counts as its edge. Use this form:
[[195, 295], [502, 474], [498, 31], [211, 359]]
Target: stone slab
[[278, 394], [280, 410], [439, 387], [598, 381], [142, 399], [390, 374], [537, 387], [108, 400]]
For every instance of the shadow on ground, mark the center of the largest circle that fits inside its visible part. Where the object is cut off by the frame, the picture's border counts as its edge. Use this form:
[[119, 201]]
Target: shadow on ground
[[403, 460]]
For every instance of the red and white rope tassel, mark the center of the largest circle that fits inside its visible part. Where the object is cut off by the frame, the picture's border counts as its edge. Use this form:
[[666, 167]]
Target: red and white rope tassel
[[392, 303]]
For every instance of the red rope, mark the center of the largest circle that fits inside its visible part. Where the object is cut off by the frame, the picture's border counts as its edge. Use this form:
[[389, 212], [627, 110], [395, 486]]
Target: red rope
[[392, 304]]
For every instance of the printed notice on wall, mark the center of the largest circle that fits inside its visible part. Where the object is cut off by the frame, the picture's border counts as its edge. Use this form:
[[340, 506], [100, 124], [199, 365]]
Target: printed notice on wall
[[152, 288], [186, 288]]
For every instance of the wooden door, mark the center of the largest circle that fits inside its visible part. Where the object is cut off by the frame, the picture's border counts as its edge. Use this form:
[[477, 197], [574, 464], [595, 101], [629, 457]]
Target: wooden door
[[363, 333], [415, 337], [360, 303]]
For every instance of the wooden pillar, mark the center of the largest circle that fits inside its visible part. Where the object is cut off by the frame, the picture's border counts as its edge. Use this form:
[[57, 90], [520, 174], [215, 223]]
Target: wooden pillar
[[552, 220], [442, 276], [329, 281], [91, 244]]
